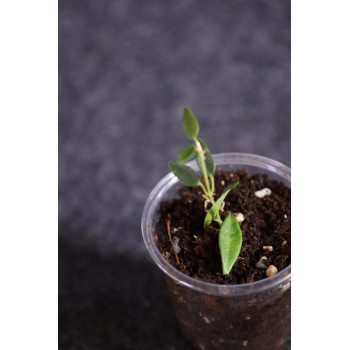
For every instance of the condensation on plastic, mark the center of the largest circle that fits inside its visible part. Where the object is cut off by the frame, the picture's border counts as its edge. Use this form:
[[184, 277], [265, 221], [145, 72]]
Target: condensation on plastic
[[213, 316]]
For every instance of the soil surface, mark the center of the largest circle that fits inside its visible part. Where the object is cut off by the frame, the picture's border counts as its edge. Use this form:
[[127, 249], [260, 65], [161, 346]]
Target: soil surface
[[266, 229]]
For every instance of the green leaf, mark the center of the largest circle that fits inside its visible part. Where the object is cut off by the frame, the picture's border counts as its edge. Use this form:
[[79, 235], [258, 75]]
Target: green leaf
[[202, 144], [190, 124], [209, 162], [186, 153], [230, 243], [185, 174], [216, 206]]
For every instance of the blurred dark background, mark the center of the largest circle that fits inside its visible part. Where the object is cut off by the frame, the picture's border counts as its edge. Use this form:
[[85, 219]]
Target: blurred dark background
[[126, 70]]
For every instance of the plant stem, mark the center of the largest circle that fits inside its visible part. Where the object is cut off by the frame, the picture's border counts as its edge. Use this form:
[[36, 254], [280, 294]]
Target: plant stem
[[218, 219], [209, 188], [204, 190], [212, 184], [205, 174], [204, 168]]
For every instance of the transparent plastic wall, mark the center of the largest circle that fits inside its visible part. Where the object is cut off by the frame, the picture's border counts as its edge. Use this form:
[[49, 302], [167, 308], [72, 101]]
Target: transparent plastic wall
[[254, 316]]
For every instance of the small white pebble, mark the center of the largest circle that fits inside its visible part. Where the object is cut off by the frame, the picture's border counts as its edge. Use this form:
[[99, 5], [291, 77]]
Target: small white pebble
[[240, 217], [272, 270], [222, 182], [248, 317], [176, 241], [269, 248], [195, 236], [285, 216], [262, 193], [206, 320], [231, 175], [284, 243], [261, 263], [285, 287], [245, 342]]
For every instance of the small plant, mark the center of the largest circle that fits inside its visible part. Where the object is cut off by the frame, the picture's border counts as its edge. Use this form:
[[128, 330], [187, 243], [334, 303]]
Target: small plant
[[230, 234]]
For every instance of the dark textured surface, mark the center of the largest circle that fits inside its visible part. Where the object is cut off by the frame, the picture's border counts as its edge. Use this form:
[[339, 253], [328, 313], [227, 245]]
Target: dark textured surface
[[126, 70]]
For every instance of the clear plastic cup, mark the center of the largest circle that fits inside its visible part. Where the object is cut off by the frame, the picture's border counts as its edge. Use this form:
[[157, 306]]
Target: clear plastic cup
[[254, 316]]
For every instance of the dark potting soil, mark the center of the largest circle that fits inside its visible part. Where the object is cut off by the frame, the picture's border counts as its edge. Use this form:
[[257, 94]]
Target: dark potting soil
[[266, 229]]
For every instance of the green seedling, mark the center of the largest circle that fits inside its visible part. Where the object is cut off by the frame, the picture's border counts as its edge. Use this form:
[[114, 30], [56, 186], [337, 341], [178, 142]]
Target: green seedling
[[230, 234]]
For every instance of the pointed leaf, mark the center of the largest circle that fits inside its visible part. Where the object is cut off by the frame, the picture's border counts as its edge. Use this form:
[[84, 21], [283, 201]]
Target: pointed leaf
[[217, 205], [202, 143], [190, 124], [209, 162], [230, 243], [185, 174], [186, 153]]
